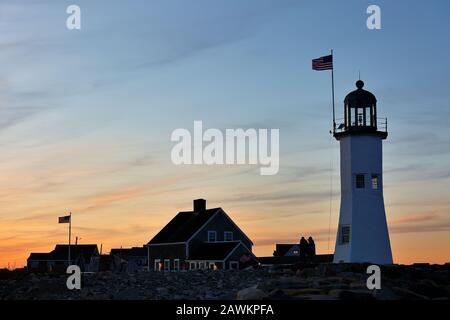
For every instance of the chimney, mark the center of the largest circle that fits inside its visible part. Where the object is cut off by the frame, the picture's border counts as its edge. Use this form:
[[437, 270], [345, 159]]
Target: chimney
[[199, 205]]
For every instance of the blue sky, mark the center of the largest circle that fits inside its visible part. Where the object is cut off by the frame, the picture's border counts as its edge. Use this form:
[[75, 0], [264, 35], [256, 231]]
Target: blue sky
[[88, 112]]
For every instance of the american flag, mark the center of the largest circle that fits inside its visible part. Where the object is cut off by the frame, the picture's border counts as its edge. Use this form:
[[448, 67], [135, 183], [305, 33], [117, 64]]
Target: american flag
[[65, 219], [323, 63]]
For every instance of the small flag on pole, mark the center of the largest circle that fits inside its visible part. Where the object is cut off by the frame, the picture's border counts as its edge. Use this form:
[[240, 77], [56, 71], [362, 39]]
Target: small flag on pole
[[323, 63], [65, 219]]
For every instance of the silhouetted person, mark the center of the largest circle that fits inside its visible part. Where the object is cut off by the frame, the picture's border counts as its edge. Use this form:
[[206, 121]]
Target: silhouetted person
[[303, 248], [311, 248]]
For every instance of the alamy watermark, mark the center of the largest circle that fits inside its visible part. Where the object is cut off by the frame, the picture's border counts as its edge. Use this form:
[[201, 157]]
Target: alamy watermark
[[374, 280], [74, 280], [234, 146], [73, 21], [374, 20]]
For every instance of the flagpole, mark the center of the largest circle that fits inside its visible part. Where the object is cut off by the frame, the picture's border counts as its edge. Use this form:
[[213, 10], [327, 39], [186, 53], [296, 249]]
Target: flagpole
[[70, 233], [332, 91]]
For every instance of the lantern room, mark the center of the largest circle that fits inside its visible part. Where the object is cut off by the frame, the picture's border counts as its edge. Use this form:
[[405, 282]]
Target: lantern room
[[360, 109]]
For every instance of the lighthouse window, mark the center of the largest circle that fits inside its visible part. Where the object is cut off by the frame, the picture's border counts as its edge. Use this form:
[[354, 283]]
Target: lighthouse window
[[345, 234], [375, 182], [360, 181]]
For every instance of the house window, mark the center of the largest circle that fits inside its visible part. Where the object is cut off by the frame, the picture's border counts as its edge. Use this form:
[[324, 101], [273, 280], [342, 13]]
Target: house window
[[193, 265], [176, 264], [166, 264], [211, 265], [157, 265], [212, 236], [201, 265], [374, 182], [360, 181], [345, 234], [228, 236], [234, 265]]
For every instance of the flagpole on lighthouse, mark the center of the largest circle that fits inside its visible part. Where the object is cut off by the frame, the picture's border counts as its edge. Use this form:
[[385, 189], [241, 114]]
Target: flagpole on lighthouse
[[70, 232], [332, 91]]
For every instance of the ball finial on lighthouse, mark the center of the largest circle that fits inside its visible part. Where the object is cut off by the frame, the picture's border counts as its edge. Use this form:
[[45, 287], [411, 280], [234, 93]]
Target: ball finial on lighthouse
[[360, 84], [362, 231]]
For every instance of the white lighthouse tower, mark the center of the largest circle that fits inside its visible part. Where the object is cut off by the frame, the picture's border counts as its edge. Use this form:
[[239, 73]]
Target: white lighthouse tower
[[362, 231]]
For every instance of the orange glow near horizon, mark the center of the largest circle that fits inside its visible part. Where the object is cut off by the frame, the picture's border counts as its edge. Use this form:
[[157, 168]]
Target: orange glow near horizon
[[87, 116], [104, 225]]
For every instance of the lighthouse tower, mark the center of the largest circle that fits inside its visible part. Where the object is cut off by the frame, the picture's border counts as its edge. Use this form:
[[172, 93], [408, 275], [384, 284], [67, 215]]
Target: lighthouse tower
[[362, 231]]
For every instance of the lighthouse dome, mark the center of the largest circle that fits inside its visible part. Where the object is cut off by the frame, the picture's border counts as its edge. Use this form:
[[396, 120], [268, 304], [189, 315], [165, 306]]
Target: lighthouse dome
[[360, 113], [360, 98]]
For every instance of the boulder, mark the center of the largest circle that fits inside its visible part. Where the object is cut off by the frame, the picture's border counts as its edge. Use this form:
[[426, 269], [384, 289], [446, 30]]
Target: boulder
[[252, 293], [306, 272]]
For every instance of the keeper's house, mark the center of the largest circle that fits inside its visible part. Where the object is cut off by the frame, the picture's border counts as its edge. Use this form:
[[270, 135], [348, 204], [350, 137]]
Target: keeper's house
[[200, 239], [86, 256]]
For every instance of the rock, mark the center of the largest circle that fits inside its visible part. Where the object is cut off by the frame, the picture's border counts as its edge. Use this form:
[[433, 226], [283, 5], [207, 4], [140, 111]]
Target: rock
[[355, 295], [392, 272], [358, 285], [305, 291], [312, 282], [428, 288], [325, 270], [306, 272], [34, 278], [385, 294], [340, 267], [162, 290], [320, 297], [348, 275], [278, 294], [408, 294], [251, 293]]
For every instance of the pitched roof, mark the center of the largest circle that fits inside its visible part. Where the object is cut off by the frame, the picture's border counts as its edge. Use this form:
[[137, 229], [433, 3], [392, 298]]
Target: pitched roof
[[130, 252], [61, 252], [282, 249], [39, 256], [86, 251], [183, 226], [214, 250]]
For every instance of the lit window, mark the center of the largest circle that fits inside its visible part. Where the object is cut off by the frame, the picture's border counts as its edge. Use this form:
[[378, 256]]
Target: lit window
[[212, 236], [360, 181], [228, 236], [345, 234], [157, 265], [375, 182]]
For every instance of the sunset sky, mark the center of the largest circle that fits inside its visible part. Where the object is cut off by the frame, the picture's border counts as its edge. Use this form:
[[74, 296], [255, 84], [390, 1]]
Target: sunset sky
[[86, 118]]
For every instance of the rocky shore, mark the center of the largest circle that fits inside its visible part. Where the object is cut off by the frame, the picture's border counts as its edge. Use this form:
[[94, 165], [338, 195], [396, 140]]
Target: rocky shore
[[300, 282]]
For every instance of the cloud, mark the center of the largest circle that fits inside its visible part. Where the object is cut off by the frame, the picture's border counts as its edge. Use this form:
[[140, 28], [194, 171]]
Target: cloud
[[420, 144], [283, 197], [108, 198], [432, 227], [11, 116], [426, 222], [202, 34]]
